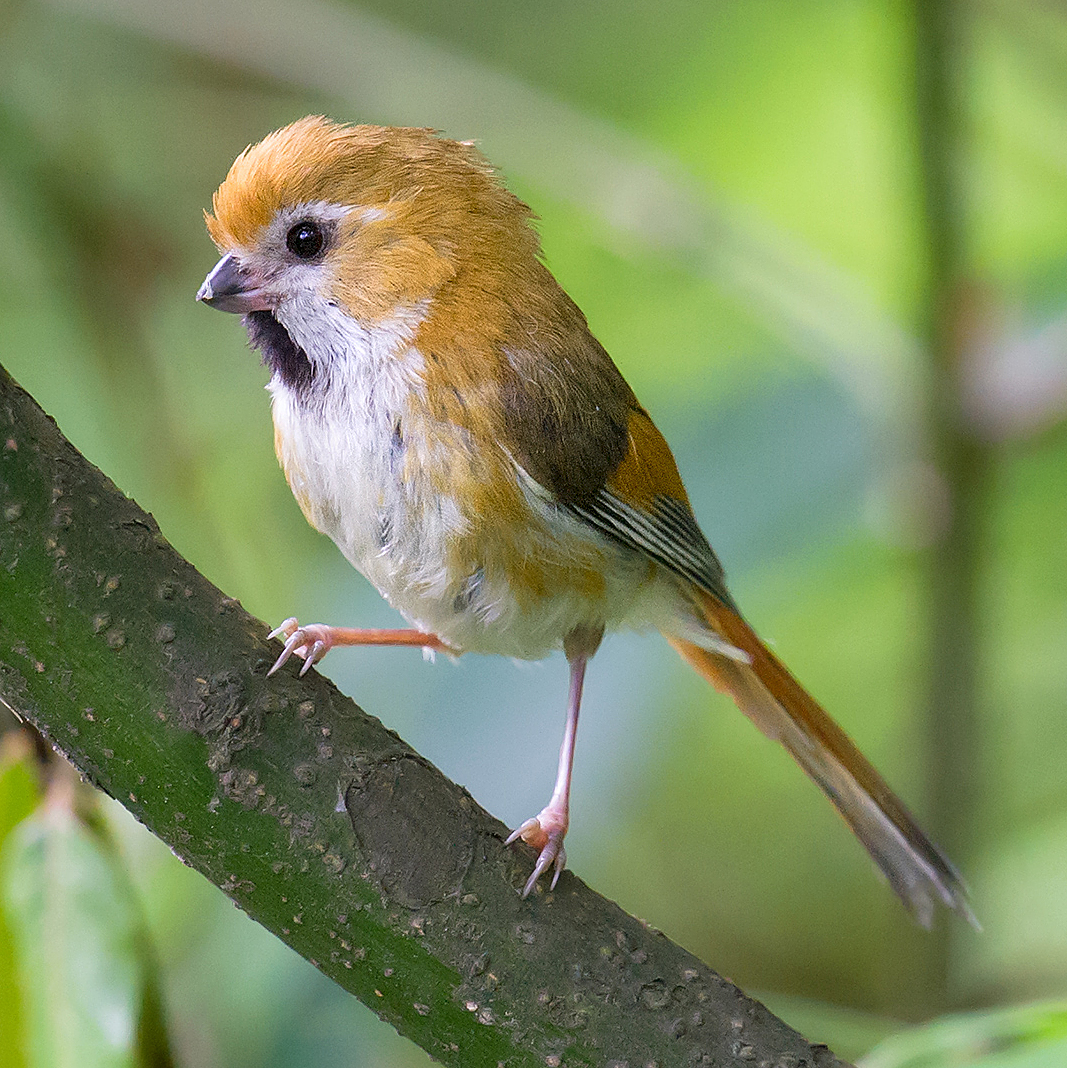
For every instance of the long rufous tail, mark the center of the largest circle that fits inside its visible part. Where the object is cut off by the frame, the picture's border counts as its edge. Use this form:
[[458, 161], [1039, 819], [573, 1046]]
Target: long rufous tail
[[769, 695]]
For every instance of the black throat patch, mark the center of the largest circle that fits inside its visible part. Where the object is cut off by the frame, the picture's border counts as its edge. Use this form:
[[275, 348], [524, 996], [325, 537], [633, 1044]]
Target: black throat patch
[[280, 352]]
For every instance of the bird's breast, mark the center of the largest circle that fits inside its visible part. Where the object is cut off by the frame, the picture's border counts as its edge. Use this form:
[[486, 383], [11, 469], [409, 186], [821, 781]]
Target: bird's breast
[[437, 515]]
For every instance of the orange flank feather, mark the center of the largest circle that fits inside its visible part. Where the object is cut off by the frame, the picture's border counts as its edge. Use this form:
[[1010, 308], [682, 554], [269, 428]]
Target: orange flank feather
[[648, 469], [771, 697]]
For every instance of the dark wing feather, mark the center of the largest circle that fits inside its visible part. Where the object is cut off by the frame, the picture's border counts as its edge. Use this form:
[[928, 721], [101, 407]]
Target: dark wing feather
[[668, 532], [575, 426], [565, 405]]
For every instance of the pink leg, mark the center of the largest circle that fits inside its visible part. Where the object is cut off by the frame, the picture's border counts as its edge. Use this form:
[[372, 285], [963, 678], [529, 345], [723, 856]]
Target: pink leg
[[315, 640], [546, 831]]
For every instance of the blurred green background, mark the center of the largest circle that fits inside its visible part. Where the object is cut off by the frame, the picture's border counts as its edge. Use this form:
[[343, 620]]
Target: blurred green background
[[733, 191]]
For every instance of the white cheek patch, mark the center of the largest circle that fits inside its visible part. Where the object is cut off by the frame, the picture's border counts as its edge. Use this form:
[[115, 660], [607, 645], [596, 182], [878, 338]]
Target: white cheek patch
[[351, 359]]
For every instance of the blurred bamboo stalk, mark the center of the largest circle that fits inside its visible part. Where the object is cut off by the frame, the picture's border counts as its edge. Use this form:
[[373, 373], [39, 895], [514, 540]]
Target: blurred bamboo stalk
[[960, 458]]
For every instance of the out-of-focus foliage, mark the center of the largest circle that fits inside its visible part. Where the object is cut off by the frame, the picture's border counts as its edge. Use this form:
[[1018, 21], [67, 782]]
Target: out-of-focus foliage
[[19, 795], [77, 940], [77, 966], [730, 190], [1034, 1036]]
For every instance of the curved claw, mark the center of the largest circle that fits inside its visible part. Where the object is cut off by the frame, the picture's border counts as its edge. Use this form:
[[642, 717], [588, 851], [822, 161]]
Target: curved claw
[[547, 837], [293, 642], [287, 627], [317, 652], [556, 858], [531, 825], [313, 639]]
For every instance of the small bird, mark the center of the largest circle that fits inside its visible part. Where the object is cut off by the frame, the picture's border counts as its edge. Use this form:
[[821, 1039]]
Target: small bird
[[443, 412]]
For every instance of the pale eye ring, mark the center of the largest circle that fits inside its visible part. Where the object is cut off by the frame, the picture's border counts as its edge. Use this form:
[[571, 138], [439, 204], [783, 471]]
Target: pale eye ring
[[305, 239]]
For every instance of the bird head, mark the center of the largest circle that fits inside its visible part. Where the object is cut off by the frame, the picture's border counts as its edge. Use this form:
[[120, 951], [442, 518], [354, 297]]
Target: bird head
[[376, 224]]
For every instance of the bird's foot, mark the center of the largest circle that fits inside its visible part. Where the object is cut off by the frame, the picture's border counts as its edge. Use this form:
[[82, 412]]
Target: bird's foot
[[312, 642], [545, 832]]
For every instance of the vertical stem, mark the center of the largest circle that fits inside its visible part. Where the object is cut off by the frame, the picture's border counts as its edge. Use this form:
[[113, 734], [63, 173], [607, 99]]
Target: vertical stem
[[959, 458]]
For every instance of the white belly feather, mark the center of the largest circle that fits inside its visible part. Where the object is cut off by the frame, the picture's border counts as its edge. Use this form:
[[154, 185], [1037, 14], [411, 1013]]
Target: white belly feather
[[361, 471]]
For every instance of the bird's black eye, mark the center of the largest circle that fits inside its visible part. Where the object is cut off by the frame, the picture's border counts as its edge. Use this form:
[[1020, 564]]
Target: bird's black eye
[[305, 239]]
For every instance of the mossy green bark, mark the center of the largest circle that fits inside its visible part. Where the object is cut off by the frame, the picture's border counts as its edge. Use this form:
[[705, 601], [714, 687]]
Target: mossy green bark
[[320, 823]]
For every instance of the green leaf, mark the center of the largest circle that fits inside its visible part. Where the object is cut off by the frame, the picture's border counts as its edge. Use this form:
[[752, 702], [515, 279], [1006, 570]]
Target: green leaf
[[19, 793], [1029, 1036], [77, 941], [19, 790]]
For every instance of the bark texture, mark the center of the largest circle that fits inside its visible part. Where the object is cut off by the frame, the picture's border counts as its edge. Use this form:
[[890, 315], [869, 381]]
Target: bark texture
[[316, 820]]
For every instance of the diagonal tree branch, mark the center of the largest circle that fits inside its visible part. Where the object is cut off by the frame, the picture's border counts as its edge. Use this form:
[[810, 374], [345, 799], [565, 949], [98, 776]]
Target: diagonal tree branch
[[316, 820]]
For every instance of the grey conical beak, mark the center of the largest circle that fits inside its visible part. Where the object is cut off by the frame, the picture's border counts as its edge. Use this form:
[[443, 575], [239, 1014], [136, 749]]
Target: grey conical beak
[[231, 288]]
